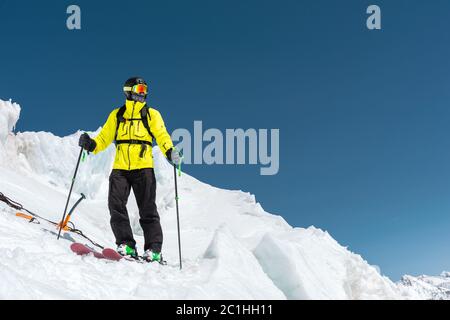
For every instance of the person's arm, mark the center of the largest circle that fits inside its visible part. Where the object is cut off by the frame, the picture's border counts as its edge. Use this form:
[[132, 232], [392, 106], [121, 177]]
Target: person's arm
[[159, 131], [107, 134]]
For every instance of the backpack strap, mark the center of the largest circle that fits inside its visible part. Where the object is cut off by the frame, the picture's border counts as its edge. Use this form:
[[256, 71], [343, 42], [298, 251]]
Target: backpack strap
[[145, 116], [120, 119]]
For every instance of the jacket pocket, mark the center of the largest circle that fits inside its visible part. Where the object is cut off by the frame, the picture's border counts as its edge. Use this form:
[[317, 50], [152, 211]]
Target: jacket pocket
[[139, 130], [124, 130]]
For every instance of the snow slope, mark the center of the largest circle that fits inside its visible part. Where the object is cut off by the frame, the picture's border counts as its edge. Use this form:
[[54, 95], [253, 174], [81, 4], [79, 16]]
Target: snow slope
[[232, 248]]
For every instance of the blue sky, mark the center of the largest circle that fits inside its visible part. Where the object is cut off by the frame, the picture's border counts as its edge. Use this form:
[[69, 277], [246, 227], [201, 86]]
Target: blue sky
[[363, 115]]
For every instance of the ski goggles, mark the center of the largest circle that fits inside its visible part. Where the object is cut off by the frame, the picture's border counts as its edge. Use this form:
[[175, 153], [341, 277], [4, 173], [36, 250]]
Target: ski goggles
[[139, 89]]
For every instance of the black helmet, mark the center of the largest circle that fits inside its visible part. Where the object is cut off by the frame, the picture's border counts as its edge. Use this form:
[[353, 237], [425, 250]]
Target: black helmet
[[135, 89]]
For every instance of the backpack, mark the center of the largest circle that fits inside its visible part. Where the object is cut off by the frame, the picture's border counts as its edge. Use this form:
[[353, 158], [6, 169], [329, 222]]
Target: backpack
[[145, 115]]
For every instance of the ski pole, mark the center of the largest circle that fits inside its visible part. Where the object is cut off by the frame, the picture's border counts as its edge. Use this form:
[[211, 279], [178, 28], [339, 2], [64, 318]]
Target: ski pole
[[64, 226], [178, 213], [70, 192]]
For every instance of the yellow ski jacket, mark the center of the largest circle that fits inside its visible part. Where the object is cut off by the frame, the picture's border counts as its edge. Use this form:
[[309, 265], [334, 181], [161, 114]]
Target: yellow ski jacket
[[132, 156]]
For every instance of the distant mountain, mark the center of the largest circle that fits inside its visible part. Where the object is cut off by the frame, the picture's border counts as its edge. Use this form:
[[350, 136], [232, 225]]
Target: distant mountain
[[429, 287]]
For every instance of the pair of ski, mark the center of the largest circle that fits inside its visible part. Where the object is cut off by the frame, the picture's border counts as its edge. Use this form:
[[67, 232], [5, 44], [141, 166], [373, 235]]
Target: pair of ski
[[107, 253]]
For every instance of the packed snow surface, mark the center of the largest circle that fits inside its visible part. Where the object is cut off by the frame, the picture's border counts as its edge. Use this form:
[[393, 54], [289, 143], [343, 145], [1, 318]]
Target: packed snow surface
[[232, 248]]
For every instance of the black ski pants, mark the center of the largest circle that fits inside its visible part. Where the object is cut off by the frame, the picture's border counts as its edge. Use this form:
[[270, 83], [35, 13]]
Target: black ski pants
[[143, 183]]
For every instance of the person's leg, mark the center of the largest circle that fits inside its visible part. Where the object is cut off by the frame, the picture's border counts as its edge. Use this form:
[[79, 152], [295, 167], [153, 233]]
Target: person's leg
[[119, 190], [144, 187]]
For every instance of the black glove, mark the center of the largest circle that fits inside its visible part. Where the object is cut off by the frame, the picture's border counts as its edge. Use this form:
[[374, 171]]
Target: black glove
[[173, 156], [87, 143]]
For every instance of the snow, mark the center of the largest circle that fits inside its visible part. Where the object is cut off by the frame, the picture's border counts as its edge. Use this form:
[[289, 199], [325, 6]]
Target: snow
[[232, 248], [338, 274], [428, 287], [9, 114]]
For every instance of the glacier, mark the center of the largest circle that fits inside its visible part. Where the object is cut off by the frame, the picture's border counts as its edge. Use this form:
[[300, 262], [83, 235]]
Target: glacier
[[232, 248]]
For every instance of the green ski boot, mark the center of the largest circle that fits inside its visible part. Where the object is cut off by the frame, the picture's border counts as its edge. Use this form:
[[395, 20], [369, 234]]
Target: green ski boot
[[127, 251], [153, 256]]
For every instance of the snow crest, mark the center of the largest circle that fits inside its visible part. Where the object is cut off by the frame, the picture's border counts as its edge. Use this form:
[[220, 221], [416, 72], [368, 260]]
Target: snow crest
[[9, 115], [232, 248]]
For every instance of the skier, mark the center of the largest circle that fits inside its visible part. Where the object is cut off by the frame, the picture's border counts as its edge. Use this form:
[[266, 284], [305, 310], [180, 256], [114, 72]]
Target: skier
[[132, 128]]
